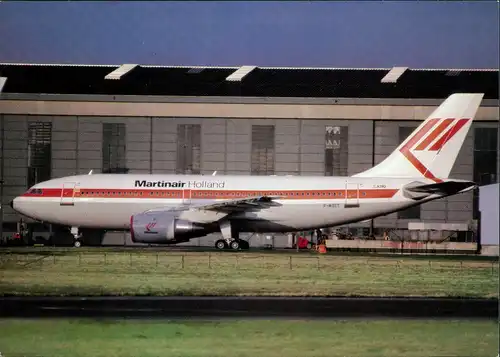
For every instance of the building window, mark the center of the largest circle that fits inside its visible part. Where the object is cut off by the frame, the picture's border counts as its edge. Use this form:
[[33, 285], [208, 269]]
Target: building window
[[188, 149], [336, 150], [412, 212], [262, 150], [114, 150], [39, 152], [485, 161]]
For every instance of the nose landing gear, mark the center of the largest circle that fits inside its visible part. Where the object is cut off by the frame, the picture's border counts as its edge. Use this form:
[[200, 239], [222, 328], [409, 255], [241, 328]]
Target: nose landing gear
[[78, 237]]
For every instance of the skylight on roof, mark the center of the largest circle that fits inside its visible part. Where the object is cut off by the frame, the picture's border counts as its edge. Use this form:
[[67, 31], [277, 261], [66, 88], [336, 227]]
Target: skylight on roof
[[240, 73], [393, 75], [120, 71], [196, 70], [453, 72]]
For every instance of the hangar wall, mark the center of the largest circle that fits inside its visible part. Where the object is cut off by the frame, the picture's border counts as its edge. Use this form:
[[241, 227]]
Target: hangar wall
[[78, 144]]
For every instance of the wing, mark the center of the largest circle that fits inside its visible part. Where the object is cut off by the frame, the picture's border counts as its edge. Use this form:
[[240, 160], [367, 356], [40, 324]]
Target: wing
[[216, 209], [240, 204]]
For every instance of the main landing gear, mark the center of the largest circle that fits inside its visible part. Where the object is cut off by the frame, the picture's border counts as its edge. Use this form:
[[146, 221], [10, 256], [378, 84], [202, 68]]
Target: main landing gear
[[230, 239], [232, 243]]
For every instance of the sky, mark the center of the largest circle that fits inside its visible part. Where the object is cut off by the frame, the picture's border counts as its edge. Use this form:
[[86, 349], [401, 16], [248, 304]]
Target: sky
[[417, 34]]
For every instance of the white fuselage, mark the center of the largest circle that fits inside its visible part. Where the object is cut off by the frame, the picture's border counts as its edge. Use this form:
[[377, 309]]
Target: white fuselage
[[108, 201], [189, 206]]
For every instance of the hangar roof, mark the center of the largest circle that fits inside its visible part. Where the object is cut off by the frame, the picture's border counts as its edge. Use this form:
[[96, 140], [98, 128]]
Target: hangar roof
[[247, 81]]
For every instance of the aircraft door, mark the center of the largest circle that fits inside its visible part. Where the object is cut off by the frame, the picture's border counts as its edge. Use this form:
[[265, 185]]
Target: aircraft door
[[68, 194], [351, 195], [186, 197]]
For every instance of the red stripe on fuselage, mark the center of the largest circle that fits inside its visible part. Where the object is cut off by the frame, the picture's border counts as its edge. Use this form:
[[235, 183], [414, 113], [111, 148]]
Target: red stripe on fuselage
[[209, 194]]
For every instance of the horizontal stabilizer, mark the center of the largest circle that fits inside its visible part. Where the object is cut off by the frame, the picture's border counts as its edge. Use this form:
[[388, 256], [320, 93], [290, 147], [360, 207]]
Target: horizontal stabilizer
[[417, 191]]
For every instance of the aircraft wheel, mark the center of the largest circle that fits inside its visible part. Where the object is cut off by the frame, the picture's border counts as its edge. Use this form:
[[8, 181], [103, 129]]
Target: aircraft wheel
[[77, 243], [221, 244], [235, 245]]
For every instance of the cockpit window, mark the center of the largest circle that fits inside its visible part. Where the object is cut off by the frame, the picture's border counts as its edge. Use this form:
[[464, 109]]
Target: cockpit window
[[35, 191]]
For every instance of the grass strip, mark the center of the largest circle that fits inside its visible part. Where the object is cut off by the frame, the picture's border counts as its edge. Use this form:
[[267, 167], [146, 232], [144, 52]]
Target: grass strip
[[292, 338], [223, 274]]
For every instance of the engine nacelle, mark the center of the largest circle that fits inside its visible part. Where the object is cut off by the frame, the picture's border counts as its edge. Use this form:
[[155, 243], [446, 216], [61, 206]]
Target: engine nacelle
[[165, 228]]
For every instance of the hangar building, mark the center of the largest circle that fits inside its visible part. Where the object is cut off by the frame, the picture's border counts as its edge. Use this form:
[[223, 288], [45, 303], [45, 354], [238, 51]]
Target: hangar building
[[58, 120]]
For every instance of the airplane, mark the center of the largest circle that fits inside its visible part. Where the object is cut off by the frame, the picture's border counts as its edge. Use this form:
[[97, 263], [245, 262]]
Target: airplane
[[170, 209]]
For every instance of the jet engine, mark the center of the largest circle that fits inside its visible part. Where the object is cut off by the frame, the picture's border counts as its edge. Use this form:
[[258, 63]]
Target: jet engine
[[165, 228]]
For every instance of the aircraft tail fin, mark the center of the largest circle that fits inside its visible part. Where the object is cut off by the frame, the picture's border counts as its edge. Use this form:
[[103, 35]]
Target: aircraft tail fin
[[431, 149]]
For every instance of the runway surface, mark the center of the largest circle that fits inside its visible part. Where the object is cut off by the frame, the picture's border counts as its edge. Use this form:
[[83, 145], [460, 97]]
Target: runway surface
[[255, 307]]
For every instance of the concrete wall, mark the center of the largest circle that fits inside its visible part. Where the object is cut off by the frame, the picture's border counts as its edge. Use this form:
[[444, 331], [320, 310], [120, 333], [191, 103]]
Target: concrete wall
[[256, 108], [151, 147]]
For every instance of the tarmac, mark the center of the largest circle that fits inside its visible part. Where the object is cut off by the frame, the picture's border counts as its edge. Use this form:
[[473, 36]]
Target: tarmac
[[249, 307]]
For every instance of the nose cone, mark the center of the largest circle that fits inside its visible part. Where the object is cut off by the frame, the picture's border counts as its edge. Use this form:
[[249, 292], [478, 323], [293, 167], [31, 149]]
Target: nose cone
[[19, 205], [14, 204]]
